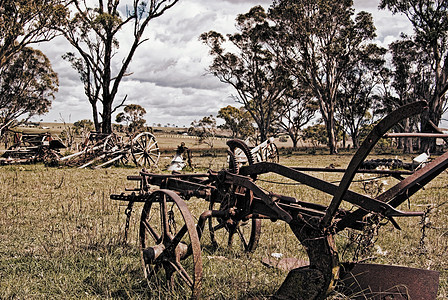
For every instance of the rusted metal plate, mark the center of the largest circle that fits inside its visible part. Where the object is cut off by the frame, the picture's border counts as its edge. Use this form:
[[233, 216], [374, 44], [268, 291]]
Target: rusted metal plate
[[374, 281]]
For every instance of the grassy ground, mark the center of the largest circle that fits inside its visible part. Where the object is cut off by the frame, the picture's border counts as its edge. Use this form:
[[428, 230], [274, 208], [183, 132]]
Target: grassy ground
[[61, 237]]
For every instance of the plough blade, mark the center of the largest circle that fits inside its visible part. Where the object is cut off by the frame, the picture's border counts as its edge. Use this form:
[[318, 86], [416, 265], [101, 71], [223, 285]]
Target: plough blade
[[378, 282]]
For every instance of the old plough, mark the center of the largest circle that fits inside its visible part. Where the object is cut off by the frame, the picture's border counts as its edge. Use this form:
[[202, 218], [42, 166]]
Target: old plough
[[170, 237], [106, 149]]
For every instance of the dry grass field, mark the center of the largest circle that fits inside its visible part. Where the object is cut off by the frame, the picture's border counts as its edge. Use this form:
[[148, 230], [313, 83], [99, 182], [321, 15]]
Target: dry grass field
[[61, 237]]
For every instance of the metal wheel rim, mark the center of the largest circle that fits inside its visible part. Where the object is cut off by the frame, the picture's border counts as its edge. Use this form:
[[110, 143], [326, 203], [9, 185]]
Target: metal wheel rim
[[186, 268]]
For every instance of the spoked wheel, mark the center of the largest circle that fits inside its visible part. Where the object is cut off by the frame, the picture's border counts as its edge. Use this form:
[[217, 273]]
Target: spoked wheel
[[145, 151], [170, 248], [271, 153], [233, 231], [115, 153], [111, 143]]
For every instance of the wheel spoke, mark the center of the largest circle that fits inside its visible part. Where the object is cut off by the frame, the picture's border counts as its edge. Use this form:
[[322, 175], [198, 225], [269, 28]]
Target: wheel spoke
[[147, 163], [219, 226], [152, 146], [178, 237], [150, 157], [243, 239], [164, 219], [140, 145], [151, 230], [182, 273], [140, 157]]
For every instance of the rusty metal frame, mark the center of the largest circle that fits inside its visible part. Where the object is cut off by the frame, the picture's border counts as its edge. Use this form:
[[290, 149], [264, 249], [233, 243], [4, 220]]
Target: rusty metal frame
[[313, 224]]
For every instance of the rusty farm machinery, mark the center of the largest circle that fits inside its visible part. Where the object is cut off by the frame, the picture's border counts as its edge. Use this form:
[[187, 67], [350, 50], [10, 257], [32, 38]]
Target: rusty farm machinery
[[104, 150], [265, 151], [169, 235], [98, 149], [32, 148]]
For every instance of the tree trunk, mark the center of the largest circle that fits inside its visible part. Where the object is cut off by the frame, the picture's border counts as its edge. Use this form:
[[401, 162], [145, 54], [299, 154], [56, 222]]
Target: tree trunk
[[407, 143], [355, 140], [330, 124], [107, 117], [263, 134], [294, 140], [433, 115], [95, 117]]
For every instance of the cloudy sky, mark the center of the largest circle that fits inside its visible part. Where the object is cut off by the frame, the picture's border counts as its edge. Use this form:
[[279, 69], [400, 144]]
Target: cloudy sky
[[169, 77]]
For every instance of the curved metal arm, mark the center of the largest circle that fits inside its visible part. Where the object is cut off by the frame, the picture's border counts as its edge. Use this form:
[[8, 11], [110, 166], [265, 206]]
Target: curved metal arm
[[374, 136]]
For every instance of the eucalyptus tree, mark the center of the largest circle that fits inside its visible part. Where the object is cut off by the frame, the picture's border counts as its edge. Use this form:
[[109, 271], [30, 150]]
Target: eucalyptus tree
[[237, 120], [410, 80], [430, 21], [92, 31], [320, 41], [27, 86], [359, 90], [27, 22], [256, 75], [205, 129], [133, 116], [298, 110]]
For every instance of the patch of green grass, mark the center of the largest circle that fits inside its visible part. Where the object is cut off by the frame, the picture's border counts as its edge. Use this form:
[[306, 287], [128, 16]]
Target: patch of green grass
[[61, 237]]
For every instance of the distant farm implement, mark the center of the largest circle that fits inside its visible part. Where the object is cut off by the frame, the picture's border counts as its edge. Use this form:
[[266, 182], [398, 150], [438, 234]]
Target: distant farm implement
[[102, 150], [98, 150], [170, 235], [32, 148]]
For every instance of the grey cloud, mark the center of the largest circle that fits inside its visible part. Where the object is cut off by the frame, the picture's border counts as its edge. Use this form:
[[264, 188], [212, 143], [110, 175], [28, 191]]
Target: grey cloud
[[187, 29], [176, 81], [366, 4]]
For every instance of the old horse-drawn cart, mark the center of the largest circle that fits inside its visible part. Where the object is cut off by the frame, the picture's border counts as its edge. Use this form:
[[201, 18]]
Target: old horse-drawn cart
[[111, 148], [170, 236], [32, 148]]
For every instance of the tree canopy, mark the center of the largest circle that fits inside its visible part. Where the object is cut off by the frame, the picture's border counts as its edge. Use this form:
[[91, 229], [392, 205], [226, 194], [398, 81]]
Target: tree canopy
[[258, 79], [27, 22], [321, 48], [430, 22], [27, 86], [359, 90], [237, 120], [133, 116]]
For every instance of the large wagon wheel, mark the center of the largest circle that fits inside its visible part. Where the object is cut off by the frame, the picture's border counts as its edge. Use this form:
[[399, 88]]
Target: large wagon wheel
[[144, 149], [223, 230], [170, 248], [111, 143], [114, 151]]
